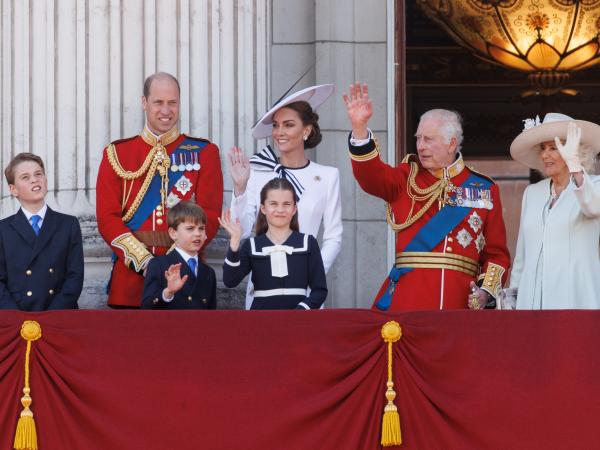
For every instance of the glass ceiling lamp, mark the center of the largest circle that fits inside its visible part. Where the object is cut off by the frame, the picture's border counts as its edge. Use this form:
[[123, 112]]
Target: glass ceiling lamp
[[546, 38]]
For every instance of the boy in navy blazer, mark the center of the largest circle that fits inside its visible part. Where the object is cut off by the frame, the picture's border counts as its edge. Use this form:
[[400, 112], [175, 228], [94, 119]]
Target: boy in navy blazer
[[179, 279], [41, 251]]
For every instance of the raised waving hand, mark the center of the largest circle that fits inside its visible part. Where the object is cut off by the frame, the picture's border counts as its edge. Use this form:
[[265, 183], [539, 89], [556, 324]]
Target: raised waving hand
[[359, 108]]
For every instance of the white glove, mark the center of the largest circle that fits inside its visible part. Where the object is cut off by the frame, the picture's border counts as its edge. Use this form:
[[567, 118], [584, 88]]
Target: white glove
[[570, 151]]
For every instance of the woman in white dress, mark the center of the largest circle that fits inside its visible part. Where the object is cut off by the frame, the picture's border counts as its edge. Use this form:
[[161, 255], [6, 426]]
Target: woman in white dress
[[293, 126], [557, 261]]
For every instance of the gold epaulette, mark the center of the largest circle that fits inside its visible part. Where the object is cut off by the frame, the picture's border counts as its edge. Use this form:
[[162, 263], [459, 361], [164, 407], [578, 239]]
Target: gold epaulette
[[371, 155], [492, 279], [487, 177], [134, 251], [197, 138]]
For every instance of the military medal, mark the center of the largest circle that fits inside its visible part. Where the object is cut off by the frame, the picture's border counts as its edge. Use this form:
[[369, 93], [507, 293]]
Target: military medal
[[188, 165], [459, 196], [464, 238], [480, 242], [183, 185], [181, 164], [196, 163], [174, 167], [172, 200], [475, 222]]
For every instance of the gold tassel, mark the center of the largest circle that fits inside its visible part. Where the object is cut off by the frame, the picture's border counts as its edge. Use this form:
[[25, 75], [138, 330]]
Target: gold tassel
[[390, 427], [26, 436]]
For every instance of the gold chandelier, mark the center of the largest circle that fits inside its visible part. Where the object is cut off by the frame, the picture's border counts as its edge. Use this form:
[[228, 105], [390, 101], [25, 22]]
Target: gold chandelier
[[545, 38]]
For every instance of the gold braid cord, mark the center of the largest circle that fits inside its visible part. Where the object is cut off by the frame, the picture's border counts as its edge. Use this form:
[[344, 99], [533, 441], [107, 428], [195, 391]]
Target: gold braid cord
[[437, 191], [113, 159], [156, 160]]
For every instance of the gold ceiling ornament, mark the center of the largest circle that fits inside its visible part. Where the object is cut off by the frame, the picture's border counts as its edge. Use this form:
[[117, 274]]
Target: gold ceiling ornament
[[546, 38]]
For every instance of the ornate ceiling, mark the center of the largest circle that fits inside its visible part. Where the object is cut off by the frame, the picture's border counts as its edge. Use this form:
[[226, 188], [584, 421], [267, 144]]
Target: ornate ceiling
[[440, 74]]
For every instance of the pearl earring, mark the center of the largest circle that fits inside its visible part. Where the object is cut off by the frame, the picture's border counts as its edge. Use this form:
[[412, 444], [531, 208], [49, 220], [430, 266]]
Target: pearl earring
[[305, 137]]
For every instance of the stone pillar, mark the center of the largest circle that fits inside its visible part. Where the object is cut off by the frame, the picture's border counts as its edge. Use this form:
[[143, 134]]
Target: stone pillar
[[71, 76], [349, 40]]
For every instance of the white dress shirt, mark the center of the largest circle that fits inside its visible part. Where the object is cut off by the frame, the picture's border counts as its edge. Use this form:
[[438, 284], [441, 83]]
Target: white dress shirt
[[41, 213]]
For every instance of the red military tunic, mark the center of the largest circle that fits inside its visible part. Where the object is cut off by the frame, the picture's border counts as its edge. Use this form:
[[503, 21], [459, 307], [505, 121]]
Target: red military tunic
[[474, 250], [122, 185]]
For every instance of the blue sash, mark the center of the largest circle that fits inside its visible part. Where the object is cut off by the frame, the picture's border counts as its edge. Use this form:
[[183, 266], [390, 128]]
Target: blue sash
[[152, 198], [430, 235]]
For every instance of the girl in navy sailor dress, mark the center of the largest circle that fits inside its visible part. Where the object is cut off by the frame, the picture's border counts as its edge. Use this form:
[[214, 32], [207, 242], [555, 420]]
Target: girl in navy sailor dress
[[286, 265]]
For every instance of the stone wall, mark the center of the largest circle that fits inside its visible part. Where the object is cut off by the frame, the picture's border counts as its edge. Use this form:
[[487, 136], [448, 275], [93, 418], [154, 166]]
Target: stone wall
[[71, 75], [349, 41]]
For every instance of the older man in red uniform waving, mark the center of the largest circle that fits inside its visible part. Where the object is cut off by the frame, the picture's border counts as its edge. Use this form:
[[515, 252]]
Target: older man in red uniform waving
[[450, 236], [141, 177]]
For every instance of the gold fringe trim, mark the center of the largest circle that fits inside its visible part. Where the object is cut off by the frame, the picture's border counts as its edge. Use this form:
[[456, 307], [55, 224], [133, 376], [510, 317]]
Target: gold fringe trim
[[25, 434], [390, 427]]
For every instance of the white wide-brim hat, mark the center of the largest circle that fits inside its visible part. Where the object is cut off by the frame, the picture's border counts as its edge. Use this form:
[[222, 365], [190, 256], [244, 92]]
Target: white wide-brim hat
[[526, 146], [314, 95]]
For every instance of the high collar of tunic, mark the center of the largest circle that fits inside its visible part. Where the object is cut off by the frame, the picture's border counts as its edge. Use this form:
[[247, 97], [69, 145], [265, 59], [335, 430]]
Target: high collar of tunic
[[452, 170], [164, 139]]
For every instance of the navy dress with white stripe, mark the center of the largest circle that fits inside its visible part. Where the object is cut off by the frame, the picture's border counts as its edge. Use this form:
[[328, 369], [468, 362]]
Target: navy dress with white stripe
[[277, 286]]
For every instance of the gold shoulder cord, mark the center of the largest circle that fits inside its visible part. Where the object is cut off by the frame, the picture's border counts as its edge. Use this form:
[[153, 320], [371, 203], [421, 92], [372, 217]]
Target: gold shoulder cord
[[113, 159], [437, 191], [156, 160]]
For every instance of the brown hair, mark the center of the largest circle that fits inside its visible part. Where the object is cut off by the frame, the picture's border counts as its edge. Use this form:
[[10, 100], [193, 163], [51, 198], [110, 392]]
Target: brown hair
[[183, 211], [280, 184], [159, 76], [308, 117], [9, 172]]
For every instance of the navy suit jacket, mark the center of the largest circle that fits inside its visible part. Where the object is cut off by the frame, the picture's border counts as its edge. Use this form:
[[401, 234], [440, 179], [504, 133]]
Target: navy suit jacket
[[42, 272], [198, 292]]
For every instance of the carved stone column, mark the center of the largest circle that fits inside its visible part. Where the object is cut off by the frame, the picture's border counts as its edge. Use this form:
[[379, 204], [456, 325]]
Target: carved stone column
[[71, 76]]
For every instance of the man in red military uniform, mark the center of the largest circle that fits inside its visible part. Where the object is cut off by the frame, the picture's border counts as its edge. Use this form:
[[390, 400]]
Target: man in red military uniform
[[451, 241], [141, 177]]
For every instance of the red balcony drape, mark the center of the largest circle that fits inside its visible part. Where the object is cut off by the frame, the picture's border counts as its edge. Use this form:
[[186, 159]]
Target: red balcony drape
[[303, 380]]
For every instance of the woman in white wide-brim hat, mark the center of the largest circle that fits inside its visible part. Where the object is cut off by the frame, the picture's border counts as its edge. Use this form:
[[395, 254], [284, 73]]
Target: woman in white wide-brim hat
[[557, 262], [293, 126]]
